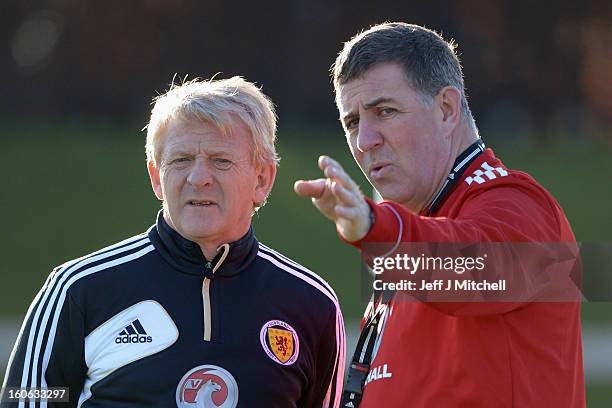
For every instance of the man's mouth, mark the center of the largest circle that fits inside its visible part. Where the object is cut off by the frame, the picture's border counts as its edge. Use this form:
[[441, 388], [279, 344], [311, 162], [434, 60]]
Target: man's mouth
[[201, 203], [377, 169]]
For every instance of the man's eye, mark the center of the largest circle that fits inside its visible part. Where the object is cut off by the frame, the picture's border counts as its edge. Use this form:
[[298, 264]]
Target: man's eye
[[222, 164], [384, 112], [180, 160], [352, 124]]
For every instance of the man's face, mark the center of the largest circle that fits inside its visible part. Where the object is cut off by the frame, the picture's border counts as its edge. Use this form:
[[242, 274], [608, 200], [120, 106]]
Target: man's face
[[395, 135], [208, 181]]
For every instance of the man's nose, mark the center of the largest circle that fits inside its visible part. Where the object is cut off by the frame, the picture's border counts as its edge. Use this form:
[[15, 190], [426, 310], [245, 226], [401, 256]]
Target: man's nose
[[368, 136], [200, 174]]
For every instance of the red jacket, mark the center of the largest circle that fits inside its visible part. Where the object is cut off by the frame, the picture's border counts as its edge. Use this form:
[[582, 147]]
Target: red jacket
[[520, 354]]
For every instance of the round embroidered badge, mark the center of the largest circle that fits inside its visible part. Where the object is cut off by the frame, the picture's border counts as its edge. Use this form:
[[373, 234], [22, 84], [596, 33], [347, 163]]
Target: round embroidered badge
[[280, 342]]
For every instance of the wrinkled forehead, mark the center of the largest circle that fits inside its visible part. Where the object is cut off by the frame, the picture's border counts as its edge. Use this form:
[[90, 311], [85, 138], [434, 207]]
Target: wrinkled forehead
[[359, 92], [383, 81], [195, 135]]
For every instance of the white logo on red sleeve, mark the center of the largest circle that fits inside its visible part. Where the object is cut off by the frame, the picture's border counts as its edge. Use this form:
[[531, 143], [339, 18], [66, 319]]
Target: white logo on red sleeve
[[487, 171], [207, 386]]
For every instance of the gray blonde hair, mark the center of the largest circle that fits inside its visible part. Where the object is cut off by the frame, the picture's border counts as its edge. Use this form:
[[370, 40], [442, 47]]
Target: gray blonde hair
[[214, 102], [429, 62]]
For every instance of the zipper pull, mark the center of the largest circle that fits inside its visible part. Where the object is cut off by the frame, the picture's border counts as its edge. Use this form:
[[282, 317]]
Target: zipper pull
[[208, 270]]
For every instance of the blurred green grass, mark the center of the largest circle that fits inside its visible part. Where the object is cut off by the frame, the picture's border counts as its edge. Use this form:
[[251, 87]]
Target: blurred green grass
[[599, 395], [73, 188]]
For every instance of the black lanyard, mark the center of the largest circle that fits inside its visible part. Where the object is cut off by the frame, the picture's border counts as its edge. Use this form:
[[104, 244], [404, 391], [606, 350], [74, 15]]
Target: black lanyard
[[461, 164], [362, 359]]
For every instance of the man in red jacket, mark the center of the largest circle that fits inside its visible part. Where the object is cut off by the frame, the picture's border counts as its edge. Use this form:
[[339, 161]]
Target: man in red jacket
[[401, 98]]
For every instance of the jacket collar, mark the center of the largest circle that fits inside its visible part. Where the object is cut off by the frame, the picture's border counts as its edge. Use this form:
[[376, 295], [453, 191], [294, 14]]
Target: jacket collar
[[462, 162], [187, 257]]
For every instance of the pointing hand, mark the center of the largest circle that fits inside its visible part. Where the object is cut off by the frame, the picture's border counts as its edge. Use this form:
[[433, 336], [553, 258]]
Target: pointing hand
[[339, 198]]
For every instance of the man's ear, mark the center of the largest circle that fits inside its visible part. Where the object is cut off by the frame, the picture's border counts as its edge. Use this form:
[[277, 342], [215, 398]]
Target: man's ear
[[449, 102], [266, 174], [155, 180]]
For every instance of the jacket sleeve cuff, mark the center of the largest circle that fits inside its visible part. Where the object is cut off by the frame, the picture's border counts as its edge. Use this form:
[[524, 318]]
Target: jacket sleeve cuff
[[387, 227]]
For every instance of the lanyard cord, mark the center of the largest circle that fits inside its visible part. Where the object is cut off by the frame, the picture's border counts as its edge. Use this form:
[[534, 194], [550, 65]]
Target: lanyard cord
[[461, 164], [362, 359]]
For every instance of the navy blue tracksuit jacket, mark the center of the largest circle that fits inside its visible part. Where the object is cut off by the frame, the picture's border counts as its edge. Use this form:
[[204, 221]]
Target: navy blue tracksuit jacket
[[149, 322]]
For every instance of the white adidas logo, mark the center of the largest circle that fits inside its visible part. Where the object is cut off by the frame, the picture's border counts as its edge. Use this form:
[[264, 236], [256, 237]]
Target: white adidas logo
[[133, 333], [488, 172]]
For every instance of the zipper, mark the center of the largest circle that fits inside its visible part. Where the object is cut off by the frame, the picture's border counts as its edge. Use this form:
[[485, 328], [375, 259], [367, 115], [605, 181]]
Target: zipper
[[206, 300], [209, 273]]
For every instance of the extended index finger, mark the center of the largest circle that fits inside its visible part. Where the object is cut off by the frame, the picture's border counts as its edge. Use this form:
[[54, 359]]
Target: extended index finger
[[332, 169], [327, 162]]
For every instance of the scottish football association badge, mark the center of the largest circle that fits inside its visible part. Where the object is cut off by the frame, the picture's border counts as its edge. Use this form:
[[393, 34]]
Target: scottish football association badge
[[280, 342], [207, 386]]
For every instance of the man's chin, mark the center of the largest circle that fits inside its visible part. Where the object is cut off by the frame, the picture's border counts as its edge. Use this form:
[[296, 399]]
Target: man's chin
[[393, 195], [384, 191], [195, 229]]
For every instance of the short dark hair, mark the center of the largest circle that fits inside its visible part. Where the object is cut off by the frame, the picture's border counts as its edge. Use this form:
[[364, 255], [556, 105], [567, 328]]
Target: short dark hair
[[429, 62]]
